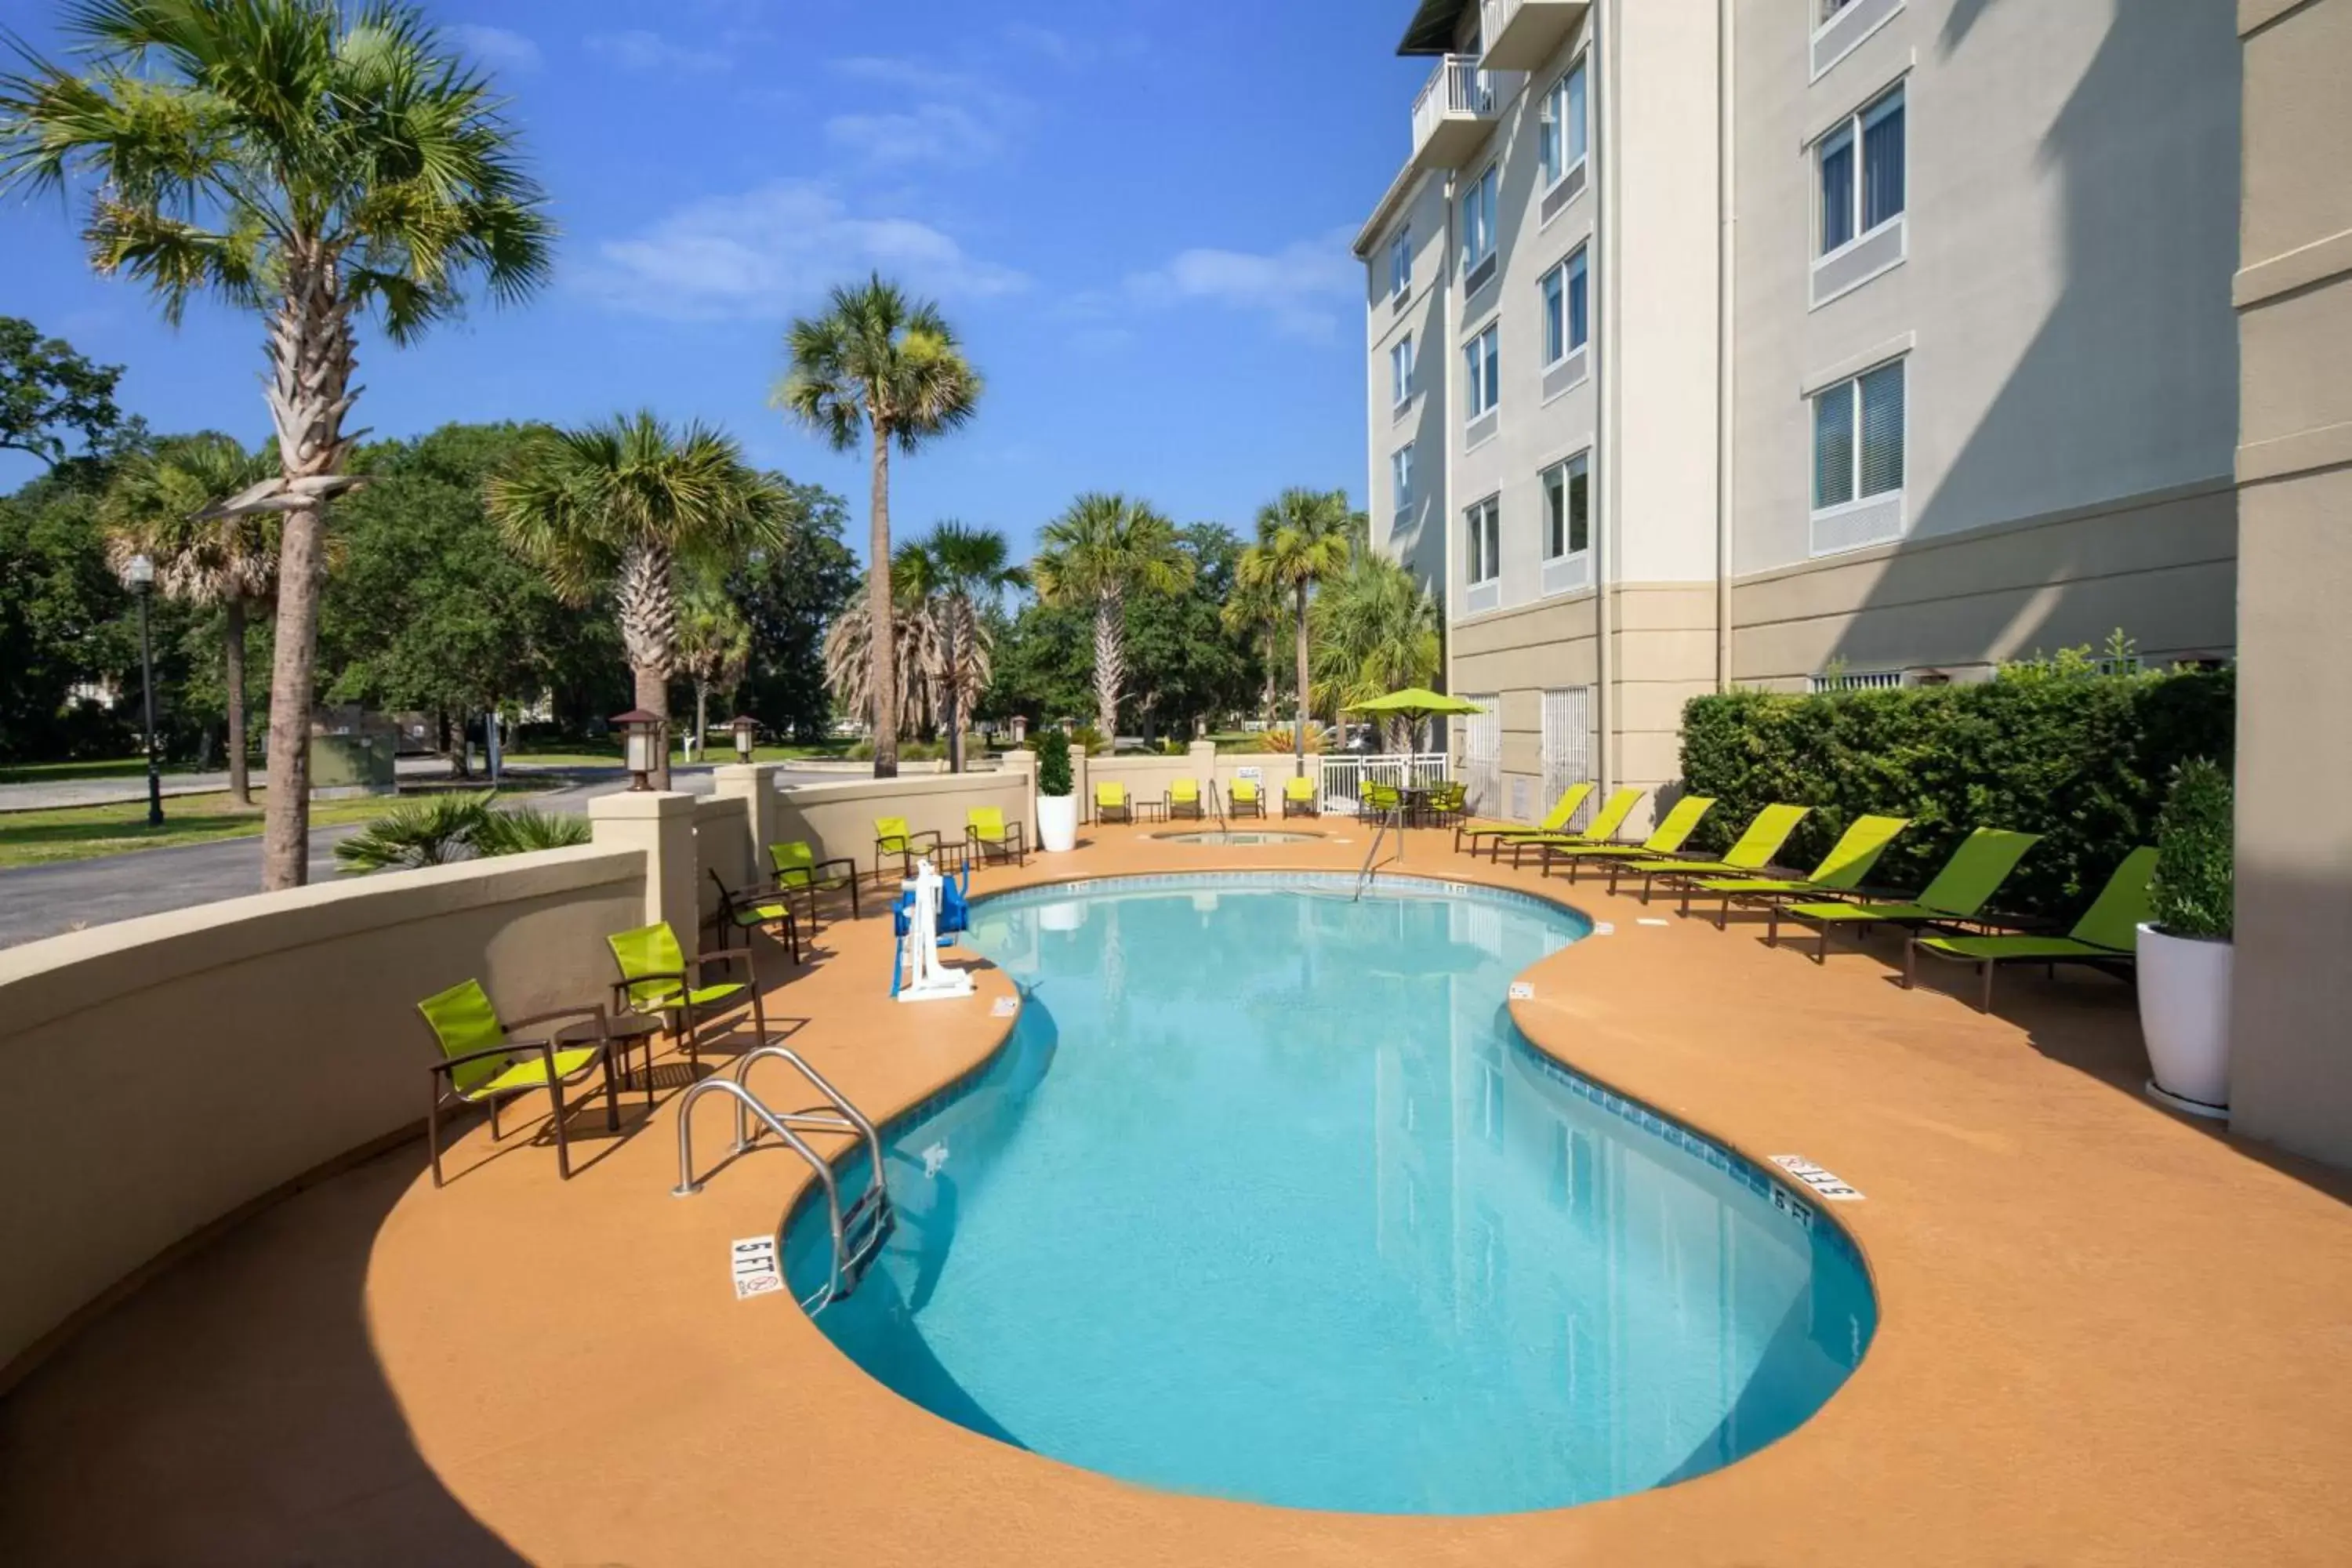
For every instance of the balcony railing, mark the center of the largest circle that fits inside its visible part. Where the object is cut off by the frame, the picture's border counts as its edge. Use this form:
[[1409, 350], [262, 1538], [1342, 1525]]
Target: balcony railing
[[1523, 34], [1456, 107]]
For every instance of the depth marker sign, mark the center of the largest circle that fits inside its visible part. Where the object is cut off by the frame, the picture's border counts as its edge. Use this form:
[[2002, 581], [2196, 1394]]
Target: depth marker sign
[[753, 1259], [1823, 1182]]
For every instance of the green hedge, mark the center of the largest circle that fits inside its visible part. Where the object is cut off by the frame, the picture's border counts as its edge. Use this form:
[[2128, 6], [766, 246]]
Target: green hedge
[[2083, 759]]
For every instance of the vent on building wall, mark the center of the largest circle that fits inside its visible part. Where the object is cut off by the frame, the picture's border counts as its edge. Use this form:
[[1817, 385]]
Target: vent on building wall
[[1857, 680]]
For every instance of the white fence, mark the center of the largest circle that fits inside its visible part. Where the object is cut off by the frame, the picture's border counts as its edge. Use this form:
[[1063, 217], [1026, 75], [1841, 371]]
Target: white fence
[[1344, 773]]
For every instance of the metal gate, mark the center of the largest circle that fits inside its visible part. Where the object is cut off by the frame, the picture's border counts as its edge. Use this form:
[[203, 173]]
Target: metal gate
[[1482, 755], [1566, 746]]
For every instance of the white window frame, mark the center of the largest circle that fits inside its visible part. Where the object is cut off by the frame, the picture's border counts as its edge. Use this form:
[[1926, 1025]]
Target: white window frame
[[1482, 541], [1849, 131], [1566, 469], [1562, 269], [1553, 128], [1400, 368], [1483, 192], [1855, 496], [1400, 478], [1401, 263], [1483, 392]]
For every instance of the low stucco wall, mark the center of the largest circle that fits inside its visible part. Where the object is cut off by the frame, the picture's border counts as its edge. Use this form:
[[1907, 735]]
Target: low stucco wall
[[839, 817], [173, 1068]]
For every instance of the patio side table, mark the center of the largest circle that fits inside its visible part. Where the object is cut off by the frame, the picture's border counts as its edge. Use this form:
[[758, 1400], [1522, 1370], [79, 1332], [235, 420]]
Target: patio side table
[[628, 1032]]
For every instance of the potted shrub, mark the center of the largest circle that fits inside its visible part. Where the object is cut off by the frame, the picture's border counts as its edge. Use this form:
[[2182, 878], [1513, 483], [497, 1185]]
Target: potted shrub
[[1057, 801], [2184, 949]]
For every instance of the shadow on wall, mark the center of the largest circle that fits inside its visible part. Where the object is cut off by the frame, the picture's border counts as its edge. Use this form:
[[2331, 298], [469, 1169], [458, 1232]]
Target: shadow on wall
[[2143, 156], [278, 1442]]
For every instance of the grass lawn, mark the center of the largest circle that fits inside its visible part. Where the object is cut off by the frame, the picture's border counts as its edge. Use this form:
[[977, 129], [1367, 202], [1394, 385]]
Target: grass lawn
[[112, 768], [86, 832]]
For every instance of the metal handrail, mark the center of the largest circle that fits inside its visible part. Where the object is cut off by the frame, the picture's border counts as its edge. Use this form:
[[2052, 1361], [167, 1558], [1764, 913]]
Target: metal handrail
[[1394, 815], [688, 1186], [850, 1120]]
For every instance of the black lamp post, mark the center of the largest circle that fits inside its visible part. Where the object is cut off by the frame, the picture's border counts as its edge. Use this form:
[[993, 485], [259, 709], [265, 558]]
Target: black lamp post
[[139, 576]]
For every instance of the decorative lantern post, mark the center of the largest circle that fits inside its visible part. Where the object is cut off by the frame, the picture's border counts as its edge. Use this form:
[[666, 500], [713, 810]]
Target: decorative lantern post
[[642, 743], [747, 730], [139, 576]]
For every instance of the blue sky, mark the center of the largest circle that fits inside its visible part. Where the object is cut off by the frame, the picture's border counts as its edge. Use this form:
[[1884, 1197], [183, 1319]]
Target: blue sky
[[1138, 215]]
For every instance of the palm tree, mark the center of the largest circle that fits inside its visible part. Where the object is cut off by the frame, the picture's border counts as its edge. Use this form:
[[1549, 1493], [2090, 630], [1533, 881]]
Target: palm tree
[[1101, 550], [1376, 631], [915, 648], [714, 649], [309, 161], [1262, 611], [165, 505], [1304, 539], [621, 502], [972, 567], [879, 364]]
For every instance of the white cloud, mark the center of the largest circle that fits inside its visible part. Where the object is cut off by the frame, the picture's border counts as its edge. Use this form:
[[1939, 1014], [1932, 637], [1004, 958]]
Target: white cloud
[[772, 251], [1299, 288], [950, 119], [639, 50], [1058, 48], [497, 47]]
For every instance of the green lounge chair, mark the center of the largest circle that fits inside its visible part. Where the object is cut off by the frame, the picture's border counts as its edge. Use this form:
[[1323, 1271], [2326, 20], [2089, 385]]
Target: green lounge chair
[[657, 978], [1245, 799], [1183, 799], [745, 910], [1957, 894], [1840, 871], [1555, 822], [1299, 798], [986, 833], [1754, 852], [1667, 838], [1111, 803], [2106, 935], [799, 871], [892, 836], [1600, 830], [482, 1060]]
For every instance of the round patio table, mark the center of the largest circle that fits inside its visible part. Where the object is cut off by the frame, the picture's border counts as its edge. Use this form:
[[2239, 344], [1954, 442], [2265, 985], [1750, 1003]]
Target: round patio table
[[625, 1032]]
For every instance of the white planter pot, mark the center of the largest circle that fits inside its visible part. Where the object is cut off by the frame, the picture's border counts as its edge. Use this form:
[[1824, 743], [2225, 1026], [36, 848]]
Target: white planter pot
[[2184, 1014], [1057, 823]]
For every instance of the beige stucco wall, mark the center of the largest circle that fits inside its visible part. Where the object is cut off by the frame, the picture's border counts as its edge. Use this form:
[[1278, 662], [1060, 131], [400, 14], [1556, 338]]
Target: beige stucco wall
[[175, 1068], [839, 817], [2291, 1038]]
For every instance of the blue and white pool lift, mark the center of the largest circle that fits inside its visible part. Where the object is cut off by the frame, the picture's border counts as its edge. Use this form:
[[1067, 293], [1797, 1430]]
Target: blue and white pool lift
[[930, 911]]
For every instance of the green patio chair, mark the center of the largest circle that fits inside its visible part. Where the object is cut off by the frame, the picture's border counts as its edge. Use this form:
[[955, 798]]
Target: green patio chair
[[1555, 822], [1600, 830], [1299, 798], [1245, 799], [483, 1061], [799, 871], [1378, 800], [1446, 804], [1841, 871], [1666, 838], [2106, 936], [657, 978], [760, 908], [986, 833], [892, 836], [1182, 799], [1754, 852], [1111, 803], [1956, 897]]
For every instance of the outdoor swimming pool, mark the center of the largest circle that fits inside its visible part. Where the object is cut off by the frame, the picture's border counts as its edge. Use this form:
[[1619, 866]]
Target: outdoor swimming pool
[[1268, 1199], [1232, 836]]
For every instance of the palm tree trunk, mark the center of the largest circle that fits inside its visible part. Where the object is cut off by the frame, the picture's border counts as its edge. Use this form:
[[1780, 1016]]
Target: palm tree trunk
[[311, 365], [881, 632], [240, 777], [1110, 664], [701, 715], [953, 691], [1302, 681], [646, 599]]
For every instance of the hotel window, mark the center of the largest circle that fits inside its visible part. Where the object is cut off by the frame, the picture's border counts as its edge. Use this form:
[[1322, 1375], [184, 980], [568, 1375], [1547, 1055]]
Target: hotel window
[[1561, 134], [1401, 263], [1568, 507], [1400, 369], [1478, 221], [1479, 357], [1858, 438], [1566, 317], [1861, 166], [1482, 541], [1400, 476]]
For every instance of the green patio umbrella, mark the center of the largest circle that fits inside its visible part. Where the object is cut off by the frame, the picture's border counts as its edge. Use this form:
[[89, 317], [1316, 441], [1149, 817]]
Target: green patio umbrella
[[1416, 703]]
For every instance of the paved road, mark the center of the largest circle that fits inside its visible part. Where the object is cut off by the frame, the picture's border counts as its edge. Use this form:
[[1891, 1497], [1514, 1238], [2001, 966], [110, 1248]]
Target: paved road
[[45, 794], [36, 901]]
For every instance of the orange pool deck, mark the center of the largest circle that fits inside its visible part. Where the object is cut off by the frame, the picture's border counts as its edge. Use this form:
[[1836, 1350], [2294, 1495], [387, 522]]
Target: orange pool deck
[[2109, 1335]]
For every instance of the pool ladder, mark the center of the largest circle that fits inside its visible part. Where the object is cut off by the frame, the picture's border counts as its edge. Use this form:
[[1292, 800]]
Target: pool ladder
[[1393, 817], [859, 1231]]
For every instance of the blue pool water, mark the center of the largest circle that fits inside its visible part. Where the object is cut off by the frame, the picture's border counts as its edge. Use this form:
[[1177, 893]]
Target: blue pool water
[[1268, 1199]]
